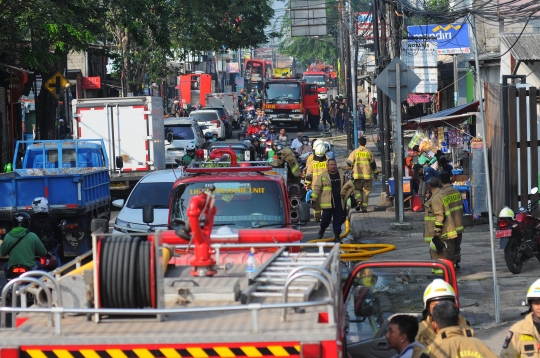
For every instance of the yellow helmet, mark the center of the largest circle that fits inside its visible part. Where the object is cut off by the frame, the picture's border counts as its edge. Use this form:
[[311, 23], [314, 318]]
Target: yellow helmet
[[438, 290], [506, 212], [534, 291]]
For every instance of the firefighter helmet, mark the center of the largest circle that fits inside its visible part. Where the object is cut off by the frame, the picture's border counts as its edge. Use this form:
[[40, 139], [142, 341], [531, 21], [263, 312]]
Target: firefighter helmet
[[533, 294], [438, 290], [506, 212]]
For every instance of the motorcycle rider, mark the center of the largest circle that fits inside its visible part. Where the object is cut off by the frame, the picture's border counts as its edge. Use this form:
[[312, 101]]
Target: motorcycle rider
[[208, 139], [273, 135], [190, 154], [305, 148], [523, 338], [316, 167], [363, 163], [253, 128], [21, 245], [241, 136], [437, 291], [286, 155], [264, 130], [45, 226]]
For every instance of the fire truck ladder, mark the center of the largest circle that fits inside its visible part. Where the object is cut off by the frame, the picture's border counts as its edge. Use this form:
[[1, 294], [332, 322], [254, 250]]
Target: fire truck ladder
[[274, 275]]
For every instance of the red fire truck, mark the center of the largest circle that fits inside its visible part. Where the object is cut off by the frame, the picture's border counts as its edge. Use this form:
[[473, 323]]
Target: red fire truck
[[321, 79], [293, 102], [194, 88], [256, 72]]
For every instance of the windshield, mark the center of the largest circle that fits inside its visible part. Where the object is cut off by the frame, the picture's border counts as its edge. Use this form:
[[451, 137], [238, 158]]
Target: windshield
[[274, 91], [156, 194], [240, 205], [378, 293], [320, 80], [179, 131], [204, 116]]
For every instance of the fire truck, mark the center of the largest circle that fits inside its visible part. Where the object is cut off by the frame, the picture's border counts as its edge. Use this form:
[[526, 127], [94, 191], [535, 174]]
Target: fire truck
[[155, 296], [320, 78], [292, 102], [193, 88]]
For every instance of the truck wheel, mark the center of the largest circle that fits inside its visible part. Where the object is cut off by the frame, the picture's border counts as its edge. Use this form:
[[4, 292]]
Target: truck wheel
[[301, 126]]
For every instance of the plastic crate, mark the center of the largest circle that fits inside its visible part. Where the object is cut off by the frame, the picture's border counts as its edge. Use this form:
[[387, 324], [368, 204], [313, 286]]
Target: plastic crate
[[407, 186], [457, 171]]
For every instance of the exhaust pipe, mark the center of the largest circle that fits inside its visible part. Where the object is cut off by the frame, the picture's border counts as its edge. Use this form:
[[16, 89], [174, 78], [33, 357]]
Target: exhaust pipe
[[295, 202], [294, 216]]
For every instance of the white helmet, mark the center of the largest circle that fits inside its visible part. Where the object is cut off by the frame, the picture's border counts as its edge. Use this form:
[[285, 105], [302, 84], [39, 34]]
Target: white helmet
[[434, 248], [438, 290], [320, 150], [506, 212], [190, 147], [534, 292], [40, 205], [317, 142]]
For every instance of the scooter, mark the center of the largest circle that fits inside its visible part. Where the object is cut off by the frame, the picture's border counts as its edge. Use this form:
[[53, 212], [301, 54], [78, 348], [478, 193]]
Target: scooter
[[519, 236]]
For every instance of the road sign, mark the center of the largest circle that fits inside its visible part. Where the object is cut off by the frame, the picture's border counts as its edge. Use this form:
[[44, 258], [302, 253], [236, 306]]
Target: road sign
[[451, 38], [57, 85], [419, 53], [386, 80], [428, 80]]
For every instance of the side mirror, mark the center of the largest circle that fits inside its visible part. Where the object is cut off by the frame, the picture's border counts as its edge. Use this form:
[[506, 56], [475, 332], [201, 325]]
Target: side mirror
[[363, 301], [534, 190], [119, 162], [170, 137], [148, 214], [304, 213], [119, 203]]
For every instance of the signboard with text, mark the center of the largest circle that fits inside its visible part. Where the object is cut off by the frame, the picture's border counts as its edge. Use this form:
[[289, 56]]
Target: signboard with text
[[90, 83], [428, 80], [451, 38], [419, 53]]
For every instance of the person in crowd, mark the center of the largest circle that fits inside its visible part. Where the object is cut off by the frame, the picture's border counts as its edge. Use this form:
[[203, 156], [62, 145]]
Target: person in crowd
[[361, 113], [21, 245], [273, 135], [241, 136], [437, 291], [339, 114], [523, 338], [306, 147], [297, 142], [332, 108], [345, 113], [253, 128], [444, 165], [263, 130], [326, 115], [400, 336], [363, 163], [283, 138], [326, 196], [451, 340]]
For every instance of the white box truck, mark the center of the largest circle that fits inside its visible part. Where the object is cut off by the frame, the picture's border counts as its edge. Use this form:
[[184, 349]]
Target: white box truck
[[227, 100], [133, 131]]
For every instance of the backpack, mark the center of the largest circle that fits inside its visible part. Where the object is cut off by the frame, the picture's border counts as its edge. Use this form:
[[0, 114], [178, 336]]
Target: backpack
[[43, 230]]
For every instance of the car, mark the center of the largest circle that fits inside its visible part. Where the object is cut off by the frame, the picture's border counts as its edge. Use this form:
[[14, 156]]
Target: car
[[153, 189], [245, 151], [178, 133], [226, 118], [211, 119]]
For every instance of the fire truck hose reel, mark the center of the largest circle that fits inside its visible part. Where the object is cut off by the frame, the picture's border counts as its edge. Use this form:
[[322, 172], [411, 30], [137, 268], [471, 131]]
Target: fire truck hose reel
[[124, 272]]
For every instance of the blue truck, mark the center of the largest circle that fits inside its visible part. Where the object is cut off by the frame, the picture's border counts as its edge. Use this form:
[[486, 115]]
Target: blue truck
[[72, 174]]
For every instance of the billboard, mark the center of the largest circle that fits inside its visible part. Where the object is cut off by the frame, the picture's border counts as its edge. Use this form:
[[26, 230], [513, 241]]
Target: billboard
[[451, 38], [421, 53], [308, 18]]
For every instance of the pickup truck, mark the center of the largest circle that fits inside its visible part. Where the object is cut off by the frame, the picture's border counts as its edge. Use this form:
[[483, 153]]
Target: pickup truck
[[71, 174]]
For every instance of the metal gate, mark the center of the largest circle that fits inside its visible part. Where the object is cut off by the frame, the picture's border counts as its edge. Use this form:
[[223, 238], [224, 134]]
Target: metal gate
[[512, 139]]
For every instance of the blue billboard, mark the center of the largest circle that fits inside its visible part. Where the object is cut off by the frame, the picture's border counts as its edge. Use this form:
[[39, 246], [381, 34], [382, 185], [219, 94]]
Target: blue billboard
[[451, 38]]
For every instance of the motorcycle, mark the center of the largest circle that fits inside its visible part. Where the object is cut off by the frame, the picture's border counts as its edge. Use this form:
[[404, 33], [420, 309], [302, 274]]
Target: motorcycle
[[519, 236]]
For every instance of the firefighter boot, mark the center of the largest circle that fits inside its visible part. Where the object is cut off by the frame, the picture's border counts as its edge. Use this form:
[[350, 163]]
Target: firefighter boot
[[320, 234]]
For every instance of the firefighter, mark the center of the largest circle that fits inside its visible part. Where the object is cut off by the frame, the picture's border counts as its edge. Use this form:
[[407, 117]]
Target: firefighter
[[436, 292], [448, 210], [326, 196], [363, 163], [315, 168], [286, 155], [436, 246], [523, 338], [451, 339]]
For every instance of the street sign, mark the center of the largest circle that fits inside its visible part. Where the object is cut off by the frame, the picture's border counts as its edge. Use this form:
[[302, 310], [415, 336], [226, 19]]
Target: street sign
[[91, 83], [428, 80], [386, 81], [57, 85], [419, 53], [451, 38]]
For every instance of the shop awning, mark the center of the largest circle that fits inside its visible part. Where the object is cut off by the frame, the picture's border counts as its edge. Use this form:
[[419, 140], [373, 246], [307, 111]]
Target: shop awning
[[451, 116]]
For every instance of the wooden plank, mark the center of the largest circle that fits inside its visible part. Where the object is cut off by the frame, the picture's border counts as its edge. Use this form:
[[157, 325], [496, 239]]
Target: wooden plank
[[533, 129], [512, 146], [523, 156]]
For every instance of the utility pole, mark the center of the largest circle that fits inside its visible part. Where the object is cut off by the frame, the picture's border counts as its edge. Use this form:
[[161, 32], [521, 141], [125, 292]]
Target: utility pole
[[341, 45], [384, 113], [353, 65]]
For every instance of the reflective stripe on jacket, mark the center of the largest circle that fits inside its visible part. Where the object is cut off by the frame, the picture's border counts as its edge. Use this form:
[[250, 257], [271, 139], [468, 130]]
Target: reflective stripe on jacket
[[322, 190], [444, 203], [453, 206], [315, 168], [429, 218], [361, 159]]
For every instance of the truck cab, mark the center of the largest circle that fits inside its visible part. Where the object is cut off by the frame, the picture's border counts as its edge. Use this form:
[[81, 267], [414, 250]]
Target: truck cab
[[319, 78]]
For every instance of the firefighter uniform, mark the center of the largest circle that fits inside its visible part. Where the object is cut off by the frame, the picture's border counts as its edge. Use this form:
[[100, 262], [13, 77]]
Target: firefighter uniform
[[315, 166], [286, 155], [362, 162], [448, 209], [332, 207], [426, 335], [522, 340], [453, 342]]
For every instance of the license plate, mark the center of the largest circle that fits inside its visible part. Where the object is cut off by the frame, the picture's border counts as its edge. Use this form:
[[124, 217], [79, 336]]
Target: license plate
[[503, 233], [118, 186], [283, 116]]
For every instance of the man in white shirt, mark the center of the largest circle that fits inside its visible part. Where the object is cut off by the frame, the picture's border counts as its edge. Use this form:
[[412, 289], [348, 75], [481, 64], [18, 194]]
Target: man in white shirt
[[401, 332], [297, 142]]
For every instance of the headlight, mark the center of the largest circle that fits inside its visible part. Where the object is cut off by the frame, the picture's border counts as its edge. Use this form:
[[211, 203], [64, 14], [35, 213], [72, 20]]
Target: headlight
[[121, 225]]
